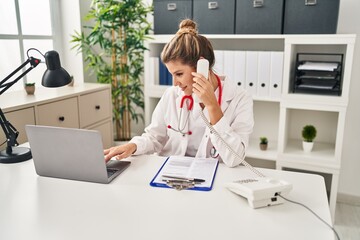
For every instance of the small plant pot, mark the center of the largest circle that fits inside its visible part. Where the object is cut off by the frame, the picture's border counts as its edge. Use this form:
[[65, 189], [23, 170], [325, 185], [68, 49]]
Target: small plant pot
[[308, 146], [30, 89], [263, 146]]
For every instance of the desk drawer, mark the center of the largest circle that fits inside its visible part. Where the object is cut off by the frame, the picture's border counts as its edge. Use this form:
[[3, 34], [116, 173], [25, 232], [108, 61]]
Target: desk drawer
[[94, 107], [63, 113]]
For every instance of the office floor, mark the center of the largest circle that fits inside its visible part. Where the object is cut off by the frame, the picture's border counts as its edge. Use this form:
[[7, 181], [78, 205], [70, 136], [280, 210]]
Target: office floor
[[347, 221]]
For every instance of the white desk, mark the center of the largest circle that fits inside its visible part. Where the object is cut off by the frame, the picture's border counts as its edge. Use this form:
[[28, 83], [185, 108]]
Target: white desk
[[40, 208]]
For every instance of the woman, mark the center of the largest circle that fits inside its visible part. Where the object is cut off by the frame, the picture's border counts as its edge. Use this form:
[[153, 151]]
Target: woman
[[176, 127]]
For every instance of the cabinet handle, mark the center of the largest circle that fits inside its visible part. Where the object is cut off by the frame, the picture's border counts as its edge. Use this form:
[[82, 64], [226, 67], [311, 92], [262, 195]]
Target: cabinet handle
[[310, 2], [258, 3], [97, 107], [171, 6], [213, 5], [239, 83], [62, 118], [263, 85], [275, 85], [251, 84]]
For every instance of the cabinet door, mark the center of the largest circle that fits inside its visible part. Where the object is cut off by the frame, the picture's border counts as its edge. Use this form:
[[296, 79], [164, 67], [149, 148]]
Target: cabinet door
[[19, 119], [106, 133], [94, 107], [63, 113]]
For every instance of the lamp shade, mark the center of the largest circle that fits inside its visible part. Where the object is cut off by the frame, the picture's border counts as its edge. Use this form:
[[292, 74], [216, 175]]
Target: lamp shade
[[55, 75]]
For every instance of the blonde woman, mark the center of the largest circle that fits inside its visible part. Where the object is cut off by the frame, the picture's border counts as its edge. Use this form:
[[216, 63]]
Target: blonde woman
[[176, 127]]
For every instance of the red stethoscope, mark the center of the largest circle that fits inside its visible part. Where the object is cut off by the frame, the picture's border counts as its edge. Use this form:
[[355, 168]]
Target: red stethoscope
[[190, 103]]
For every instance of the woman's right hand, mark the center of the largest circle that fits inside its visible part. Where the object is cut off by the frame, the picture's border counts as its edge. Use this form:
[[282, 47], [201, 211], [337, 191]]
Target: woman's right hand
[[120, 152]]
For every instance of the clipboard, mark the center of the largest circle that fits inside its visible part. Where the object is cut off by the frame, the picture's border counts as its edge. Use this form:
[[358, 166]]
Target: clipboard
[[204, 168]]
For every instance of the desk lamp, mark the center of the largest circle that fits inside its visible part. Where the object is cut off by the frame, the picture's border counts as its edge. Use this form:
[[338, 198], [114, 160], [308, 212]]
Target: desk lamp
[[54, 76]]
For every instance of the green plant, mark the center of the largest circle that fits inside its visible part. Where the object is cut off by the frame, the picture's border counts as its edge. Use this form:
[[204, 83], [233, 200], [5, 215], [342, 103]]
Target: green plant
[[30, 84], [113, 50], [309, 133], [263, 140]]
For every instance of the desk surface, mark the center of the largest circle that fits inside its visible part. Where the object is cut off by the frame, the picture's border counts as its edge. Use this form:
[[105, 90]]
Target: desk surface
[[39, 208]]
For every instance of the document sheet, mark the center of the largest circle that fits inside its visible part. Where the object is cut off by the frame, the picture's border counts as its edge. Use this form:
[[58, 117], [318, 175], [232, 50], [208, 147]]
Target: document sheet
[[188, 167]]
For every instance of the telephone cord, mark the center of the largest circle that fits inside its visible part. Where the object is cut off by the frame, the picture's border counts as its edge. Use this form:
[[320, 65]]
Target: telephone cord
[[246, 164]]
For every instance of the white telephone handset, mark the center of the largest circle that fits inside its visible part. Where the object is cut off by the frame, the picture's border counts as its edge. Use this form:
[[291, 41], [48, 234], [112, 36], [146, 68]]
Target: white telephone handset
[[202, 67]]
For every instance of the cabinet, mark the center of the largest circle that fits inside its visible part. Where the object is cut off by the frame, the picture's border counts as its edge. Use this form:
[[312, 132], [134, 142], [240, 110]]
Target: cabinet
[[85, 106], [280, 117]]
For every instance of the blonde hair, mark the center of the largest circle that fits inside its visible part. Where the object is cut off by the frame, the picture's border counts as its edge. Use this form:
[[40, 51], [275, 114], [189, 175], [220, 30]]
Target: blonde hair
[[187, 46]]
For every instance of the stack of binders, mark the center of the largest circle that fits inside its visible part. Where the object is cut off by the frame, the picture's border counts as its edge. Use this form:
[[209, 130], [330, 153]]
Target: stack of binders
[[318, 77]]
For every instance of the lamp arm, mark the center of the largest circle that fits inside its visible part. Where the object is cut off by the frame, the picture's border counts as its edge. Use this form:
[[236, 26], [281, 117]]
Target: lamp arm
[[33, 62], [10, 132]]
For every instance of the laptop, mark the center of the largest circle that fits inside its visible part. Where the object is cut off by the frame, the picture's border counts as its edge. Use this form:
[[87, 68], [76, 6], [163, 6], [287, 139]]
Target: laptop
[[69, 153]]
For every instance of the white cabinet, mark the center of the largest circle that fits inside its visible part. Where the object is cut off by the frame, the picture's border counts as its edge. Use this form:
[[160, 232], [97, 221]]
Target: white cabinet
[[81, 106], [281, 114]]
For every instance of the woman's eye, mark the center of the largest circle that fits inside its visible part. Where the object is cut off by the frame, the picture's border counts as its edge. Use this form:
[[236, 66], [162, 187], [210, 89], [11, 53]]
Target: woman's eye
[[178, 74]]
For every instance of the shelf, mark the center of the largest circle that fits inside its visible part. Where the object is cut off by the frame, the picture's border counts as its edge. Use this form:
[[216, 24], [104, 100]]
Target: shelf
[[254, 150], [282, 119], [322, 152]]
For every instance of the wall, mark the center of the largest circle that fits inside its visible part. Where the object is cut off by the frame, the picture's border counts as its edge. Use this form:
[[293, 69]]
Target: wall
[[70, 60], [350, 169]]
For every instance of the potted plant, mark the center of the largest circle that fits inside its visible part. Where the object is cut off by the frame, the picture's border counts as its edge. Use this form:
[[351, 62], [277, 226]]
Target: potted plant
[[113, 49], [30, 88], [308, 135], [263, 143]]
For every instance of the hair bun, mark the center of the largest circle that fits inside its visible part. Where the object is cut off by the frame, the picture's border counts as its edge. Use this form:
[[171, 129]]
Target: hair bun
[[187, 26]]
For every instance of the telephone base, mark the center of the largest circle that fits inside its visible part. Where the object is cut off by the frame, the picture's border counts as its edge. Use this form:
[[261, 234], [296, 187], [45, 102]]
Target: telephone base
[[261, 192]]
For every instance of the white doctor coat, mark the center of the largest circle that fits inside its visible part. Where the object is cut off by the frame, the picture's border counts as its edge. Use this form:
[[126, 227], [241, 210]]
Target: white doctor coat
[[234, 127]]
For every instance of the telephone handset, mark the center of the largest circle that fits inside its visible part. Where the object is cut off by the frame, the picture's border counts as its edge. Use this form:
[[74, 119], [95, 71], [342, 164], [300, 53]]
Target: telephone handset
[[202, 67]]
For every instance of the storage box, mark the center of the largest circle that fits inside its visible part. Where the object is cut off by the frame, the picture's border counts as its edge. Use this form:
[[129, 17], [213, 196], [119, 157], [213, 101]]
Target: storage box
[[215, 17], [168, 15], [259, 16], [311, 16]]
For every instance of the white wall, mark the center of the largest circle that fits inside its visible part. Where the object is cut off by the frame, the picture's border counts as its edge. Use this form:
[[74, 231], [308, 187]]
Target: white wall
[[349, 184], [70, 60]]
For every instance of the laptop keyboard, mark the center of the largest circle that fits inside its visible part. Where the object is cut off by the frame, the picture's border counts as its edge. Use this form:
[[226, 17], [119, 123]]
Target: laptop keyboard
[[111, 171]]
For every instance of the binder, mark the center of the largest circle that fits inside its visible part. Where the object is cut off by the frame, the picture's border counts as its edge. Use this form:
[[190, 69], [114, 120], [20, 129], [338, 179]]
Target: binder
[[240, 68], [229, 64], [154, 70], [251, 72], [207, 167], [219, 62], [263, 74], [276, 74], [165, 77]]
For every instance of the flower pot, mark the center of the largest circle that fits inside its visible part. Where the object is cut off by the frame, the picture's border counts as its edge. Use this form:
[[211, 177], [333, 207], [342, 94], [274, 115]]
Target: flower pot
[[263, 146], [30, 89], [307, 146]]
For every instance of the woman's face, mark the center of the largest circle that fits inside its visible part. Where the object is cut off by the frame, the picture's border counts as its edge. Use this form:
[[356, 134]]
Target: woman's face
[[181, 76]]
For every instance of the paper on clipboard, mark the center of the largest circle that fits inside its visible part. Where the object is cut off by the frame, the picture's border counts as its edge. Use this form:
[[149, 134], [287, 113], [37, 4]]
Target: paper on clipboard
[[188, 167]]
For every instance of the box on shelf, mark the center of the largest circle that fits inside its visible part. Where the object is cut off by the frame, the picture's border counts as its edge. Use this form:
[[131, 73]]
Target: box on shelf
[[168, 15], [215, 17], [259, 17], [316, 76], [310, 16]]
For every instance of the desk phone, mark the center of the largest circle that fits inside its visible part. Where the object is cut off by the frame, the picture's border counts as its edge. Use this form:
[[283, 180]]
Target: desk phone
[[261, 191]]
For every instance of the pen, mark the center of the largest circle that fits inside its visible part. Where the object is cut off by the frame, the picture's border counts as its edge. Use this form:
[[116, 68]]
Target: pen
[[199, 180]]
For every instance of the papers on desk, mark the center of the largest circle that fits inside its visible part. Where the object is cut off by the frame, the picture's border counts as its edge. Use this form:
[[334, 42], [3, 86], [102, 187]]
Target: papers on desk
[[187, 168]]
